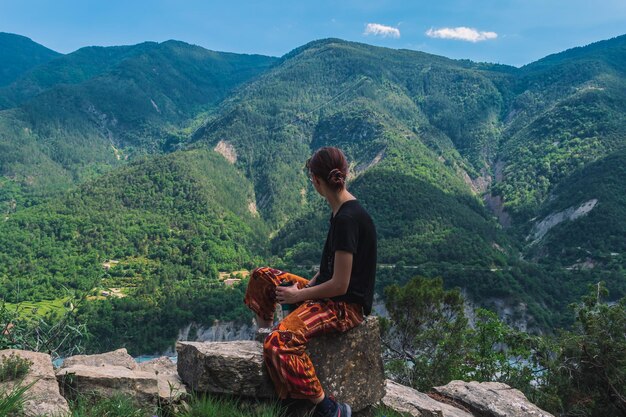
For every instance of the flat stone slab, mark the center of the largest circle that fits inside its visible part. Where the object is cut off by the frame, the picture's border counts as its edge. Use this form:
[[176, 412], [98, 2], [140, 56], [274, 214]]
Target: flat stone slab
[[43, 398], [119, 357], [106, 381], [491, 399], [417, 404]]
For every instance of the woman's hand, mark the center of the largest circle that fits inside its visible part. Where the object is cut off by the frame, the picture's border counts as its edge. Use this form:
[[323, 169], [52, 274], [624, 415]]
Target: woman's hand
[[288, 295]]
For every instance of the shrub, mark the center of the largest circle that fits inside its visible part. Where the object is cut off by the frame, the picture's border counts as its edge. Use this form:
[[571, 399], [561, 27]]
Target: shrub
[[13, 367]]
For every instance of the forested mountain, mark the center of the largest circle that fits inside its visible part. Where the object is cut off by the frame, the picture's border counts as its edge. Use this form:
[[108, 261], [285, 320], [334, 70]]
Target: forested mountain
[[85, 112], [19, 54], [508, 182]]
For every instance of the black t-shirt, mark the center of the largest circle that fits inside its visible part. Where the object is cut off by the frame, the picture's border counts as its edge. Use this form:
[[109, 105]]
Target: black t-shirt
[[352, 230]]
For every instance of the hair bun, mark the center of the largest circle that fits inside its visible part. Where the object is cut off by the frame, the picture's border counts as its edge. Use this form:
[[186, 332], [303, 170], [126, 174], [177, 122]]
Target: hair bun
[[336, 176]]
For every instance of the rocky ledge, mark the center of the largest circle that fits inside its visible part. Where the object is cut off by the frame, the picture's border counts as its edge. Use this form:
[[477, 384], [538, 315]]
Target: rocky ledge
[[349, 366]]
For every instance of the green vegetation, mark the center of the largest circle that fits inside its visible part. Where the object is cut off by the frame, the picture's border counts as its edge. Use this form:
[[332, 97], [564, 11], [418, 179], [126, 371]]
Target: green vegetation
[[80, 115], [588, 372], [13, 367], [18, 55], [12, 400], [169, 223], [577, 372], [226, 407], [105, 160], [598, 235], [115, 406], [57, 333], [426, 340], [170, 211]]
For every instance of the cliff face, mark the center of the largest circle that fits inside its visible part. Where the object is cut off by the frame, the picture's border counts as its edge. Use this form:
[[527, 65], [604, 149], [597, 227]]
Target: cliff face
[[220, 331]]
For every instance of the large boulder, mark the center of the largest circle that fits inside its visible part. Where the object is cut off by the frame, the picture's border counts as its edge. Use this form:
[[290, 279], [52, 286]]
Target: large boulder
[[349, 366], [119, 357], [490, 399], [417, 404], [107, 381], [224, 368], [171, 388], [43, 398]]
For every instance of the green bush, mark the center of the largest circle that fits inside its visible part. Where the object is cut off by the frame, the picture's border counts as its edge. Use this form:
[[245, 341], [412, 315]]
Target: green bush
[[13, 367]]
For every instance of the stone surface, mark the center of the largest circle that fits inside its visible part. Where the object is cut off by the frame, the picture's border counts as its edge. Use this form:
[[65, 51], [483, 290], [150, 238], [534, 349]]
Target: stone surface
[[171, 388], [349, 366], [491, 399], [224, 367], [119, 357], [43, 398], [414, 403], [107, 381]]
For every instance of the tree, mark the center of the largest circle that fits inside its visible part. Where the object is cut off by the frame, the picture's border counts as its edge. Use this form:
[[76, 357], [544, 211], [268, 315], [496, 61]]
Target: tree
[[425, 344], [590, 369]]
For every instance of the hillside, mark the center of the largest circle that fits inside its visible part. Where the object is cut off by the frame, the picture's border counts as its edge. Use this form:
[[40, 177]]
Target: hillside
[[427, 136], [97, 107], [111, 153], [154, 234], [20, 54], [184, 209], [569, 111]]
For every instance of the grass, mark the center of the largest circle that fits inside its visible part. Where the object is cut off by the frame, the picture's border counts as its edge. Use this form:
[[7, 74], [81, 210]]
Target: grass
[[12, 401], [200, 406], [84, 405], [230, 407], [116, 406]]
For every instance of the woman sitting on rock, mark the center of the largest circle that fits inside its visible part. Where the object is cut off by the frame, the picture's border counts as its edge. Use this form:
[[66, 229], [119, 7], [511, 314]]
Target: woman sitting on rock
[[336, 299]]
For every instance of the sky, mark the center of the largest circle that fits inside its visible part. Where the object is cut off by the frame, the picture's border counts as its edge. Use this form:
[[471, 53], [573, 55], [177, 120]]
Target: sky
[[513, 32]]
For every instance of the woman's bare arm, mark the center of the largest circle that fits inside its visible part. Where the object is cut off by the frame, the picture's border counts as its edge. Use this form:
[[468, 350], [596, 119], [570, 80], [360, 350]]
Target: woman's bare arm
[[337, 285]]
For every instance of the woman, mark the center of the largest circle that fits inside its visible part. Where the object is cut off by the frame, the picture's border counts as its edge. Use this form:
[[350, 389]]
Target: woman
[[336, 299]]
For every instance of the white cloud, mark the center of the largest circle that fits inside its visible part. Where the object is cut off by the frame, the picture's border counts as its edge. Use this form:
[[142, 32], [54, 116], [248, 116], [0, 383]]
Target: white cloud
[[461, 33], [381, 30]]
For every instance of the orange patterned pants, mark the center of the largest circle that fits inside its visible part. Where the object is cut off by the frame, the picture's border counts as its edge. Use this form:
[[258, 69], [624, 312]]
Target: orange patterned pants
[[284, 352]]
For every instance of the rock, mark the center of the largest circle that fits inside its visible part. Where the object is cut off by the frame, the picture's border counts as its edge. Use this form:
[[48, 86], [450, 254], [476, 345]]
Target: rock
[[119, 357], [43, 398], [107, 381], [414, 403], [491, 399], [349, 366], [224, 368], [171, 388]]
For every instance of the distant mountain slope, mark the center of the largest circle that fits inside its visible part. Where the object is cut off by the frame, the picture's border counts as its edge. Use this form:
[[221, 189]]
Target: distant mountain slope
[[428, 138], [183, 215], [364, 98], [100, 105], [18, 55], [73, 68], [570, 110], [421, 128], [584, 223]]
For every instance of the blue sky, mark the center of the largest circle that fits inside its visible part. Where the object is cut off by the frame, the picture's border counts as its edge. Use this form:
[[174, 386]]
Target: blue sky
[[514, 32]]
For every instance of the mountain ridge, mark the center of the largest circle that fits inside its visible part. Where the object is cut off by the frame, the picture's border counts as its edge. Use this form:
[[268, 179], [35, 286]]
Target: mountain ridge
[[428, 138]]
